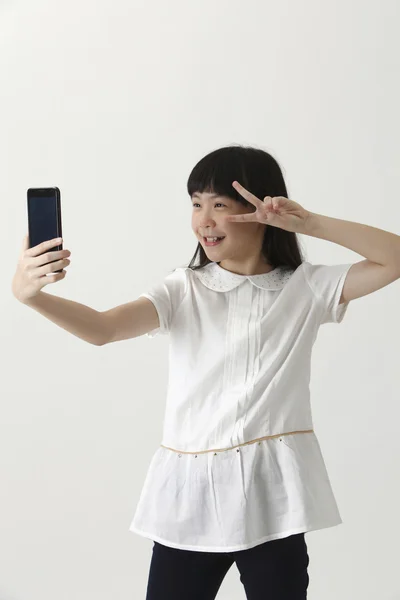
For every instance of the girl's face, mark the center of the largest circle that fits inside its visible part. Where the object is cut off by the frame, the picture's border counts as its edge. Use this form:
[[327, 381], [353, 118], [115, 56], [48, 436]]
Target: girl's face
[[241, 241]]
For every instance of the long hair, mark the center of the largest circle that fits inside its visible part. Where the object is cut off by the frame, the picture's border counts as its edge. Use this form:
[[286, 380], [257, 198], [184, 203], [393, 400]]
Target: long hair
[[259, 173]]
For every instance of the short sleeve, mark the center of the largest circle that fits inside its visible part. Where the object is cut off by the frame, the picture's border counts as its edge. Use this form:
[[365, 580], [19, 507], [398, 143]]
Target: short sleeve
[[167, 296], [326, 282]]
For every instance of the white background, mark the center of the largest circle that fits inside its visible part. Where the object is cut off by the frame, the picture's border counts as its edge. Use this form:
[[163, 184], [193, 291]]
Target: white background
[[114, 103]]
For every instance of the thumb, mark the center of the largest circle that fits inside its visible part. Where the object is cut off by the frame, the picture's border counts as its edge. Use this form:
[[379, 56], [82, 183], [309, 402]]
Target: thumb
[[25, 243]]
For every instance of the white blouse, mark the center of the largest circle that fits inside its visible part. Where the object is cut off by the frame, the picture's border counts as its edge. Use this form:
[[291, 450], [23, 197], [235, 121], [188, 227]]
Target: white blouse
[[239, 462]]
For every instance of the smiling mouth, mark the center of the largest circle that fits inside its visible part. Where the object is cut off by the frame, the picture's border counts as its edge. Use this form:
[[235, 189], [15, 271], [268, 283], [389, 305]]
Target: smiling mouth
[[214, 241]]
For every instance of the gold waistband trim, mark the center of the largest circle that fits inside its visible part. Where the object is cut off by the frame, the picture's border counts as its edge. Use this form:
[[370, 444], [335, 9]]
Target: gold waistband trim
[[267, 437]]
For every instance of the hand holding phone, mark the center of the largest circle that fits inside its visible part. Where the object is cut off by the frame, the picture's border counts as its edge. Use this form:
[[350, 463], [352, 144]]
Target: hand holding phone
[[42, 258], [37, 267]]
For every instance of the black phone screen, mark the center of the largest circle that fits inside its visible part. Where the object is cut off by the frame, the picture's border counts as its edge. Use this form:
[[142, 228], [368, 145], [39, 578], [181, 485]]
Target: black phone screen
[[44, 215]]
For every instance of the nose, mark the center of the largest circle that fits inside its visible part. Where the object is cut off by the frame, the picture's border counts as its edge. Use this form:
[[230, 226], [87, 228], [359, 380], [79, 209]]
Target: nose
[[207, 223]]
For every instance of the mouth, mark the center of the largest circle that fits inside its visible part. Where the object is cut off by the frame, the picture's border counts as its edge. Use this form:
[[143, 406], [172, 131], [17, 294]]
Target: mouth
[[213, 241]]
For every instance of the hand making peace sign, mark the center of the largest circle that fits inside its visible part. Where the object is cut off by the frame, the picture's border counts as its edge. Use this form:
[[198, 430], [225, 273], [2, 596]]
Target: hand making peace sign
[[277, 211]]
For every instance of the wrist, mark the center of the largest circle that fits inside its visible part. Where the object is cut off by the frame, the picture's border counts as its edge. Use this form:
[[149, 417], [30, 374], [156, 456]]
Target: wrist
[[31, 301], [311, 224]]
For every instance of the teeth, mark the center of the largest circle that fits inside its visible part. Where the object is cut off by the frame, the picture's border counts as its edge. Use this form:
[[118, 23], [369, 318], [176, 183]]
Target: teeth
[[214, 239]]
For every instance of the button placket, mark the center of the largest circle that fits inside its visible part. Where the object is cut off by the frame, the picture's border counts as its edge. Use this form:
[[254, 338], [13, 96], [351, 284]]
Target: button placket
[[242, 368]]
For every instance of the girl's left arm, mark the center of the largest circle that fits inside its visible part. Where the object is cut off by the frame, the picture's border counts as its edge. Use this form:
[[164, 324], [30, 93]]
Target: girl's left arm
[[381, 249]]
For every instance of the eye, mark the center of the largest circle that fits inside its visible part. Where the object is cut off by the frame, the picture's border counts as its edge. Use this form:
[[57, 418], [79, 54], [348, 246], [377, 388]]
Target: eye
[[194, 204]]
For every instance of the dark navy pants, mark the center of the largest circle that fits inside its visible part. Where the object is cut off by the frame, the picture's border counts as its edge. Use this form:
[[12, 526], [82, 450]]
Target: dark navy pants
[[274, 570]]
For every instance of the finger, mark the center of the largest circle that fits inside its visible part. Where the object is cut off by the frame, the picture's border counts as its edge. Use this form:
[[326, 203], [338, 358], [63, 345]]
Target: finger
[[49, 258], [268, 201], [271, 205], [249, 217], [52, 266], [246, 194], [275, 203], [25, 243], [45, 279], [43, 247]]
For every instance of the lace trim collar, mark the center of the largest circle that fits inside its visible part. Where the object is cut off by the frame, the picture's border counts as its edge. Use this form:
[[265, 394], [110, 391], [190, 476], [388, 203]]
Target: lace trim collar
[[220, 280]]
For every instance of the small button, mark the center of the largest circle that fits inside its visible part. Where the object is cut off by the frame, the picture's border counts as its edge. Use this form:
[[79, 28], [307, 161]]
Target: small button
[[196, 456], [179, 455], [237, 450], [215, 454]]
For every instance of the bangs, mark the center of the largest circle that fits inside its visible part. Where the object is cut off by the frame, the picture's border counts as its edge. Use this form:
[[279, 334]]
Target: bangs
[[215, 173]]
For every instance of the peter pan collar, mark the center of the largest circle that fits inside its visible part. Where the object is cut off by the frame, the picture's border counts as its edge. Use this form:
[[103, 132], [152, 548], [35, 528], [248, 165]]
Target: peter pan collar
[[220, 280]]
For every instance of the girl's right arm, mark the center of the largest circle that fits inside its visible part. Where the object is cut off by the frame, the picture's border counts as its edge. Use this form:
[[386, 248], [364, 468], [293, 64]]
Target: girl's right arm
[[120, 323]]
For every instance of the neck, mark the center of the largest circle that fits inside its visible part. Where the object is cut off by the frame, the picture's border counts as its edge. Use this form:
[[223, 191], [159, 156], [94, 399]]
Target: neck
[[246, 267]]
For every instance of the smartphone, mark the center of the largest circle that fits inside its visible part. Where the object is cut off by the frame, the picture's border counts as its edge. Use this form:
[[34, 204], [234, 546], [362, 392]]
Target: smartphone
[[44, 216]]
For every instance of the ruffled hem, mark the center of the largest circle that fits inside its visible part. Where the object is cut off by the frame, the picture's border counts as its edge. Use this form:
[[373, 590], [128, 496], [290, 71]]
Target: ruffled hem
[[234, 500], [236, 548]]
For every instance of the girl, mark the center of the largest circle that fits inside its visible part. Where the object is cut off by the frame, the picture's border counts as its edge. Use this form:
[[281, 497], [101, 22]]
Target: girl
[[239, 476]]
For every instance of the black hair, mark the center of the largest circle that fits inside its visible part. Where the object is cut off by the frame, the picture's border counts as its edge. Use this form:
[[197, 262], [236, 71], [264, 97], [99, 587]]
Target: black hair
[[259, 173]]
